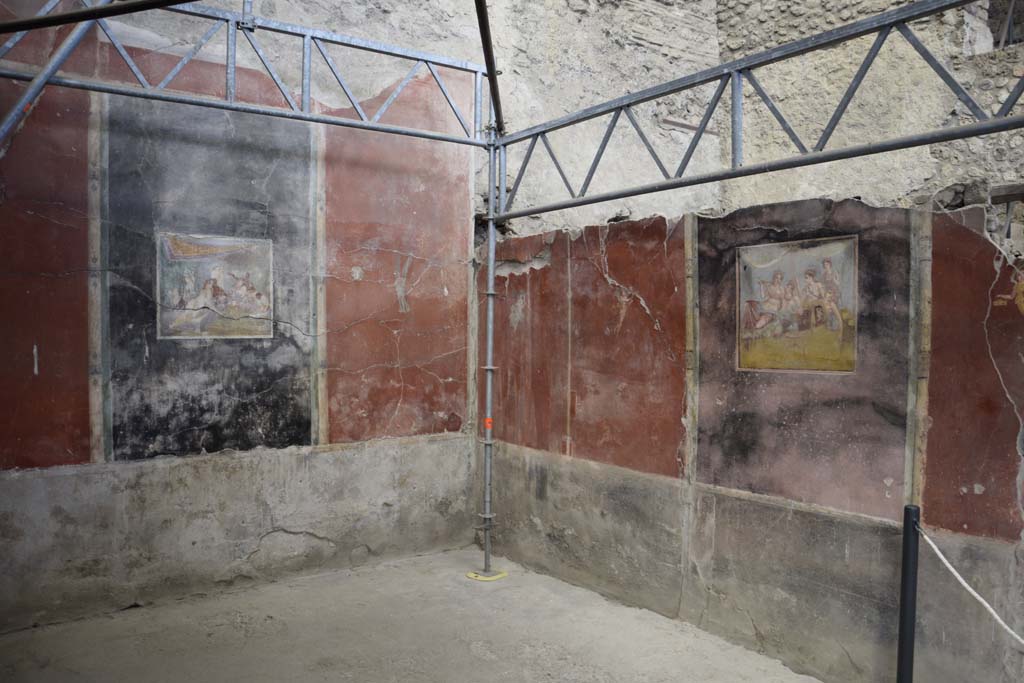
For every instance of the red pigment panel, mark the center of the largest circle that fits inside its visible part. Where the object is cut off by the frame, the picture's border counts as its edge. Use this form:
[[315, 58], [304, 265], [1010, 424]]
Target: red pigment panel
[[198, 77], [530, 341], [398, 232], [628, 346], [44, 205], [975, 387], [36, 47]]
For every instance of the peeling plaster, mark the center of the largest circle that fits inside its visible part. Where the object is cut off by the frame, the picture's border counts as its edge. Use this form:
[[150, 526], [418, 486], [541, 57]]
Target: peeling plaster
[[595, 359], [507, 268]]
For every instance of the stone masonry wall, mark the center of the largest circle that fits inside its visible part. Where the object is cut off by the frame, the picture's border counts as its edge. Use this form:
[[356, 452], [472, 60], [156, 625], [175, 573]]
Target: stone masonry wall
[[901, 95]]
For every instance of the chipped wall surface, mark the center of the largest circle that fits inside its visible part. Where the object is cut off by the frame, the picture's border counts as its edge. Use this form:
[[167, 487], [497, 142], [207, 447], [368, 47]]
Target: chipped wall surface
[[531, 333], [397, 247], [80, 540], [829, 438], [590, 346], [628, 346], [976, 388], [591, 336]]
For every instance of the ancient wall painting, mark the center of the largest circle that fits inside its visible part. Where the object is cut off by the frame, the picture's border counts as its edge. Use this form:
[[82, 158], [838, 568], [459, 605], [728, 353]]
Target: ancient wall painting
[[797, 306], [211, 287], [1016, 296]]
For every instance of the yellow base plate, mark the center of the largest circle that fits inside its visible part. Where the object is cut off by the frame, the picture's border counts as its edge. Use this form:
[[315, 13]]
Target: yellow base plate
[[477, 576]]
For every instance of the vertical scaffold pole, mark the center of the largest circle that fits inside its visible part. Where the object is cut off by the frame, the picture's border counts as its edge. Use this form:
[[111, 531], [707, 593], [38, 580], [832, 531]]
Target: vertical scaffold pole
[[908, 595], [737, 118], [488, 514]]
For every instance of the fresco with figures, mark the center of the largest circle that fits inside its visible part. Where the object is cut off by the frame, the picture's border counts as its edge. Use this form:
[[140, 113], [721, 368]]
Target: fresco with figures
[[213, 287], [1016, 296], [797, 306]]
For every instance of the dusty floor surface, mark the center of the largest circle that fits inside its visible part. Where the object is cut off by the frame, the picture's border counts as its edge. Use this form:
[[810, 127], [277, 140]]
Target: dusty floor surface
[[416, 619]]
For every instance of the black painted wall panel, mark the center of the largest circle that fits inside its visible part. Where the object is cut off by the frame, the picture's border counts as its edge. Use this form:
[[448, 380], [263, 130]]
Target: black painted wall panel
[[196, 171]]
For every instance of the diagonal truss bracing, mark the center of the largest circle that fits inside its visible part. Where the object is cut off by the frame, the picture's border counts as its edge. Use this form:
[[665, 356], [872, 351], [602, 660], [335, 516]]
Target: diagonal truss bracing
[[298, 105], [734, 75], [730, 75]]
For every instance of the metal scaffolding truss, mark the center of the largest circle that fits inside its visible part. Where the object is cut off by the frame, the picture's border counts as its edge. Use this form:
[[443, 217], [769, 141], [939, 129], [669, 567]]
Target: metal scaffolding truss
[[493, 138], [732, 76], [314, 43]]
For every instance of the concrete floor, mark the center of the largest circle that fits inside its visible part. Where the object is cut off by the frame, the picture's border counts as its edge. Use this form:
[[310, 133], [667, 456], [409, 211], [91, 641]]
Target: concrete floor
[[416, 619]]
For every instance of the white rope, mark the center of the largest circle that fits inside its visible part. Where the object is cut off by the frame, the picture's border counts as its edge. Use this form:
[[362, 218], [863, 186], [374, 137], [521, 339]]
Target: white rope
[[967, 587]]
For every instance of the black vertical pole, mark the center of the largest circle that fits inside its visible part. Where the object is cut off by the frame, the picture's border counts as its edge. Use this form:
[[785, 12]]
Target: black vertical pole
[[492, 69], [908, 595]]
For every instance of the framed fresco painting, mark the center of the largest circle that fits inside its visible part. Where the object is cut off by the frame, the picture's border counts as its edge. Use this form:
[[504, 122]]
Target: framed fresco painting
[[214, 287], [797, 306]]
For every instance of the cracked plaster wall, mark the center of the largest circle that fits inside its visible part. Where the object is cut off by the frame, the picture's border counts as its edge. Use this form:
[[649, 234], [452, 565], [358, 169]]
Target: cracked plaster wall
[[396, 264], [86, 184], [370, 246], [529, 39], [591, 331], [77, 541], [973, 471], [247, 176], [777, 531]]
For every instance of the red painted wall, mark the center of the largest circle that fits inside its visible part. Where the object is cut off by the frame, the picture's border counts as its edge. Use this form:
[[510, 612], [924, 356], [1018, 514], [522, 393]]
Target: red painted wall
[[398, 230], [629, 346], [44, 239], [44, 231], [975, 388], [590, 344], [531, 350]]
